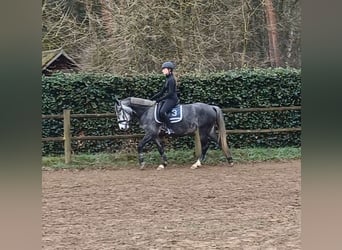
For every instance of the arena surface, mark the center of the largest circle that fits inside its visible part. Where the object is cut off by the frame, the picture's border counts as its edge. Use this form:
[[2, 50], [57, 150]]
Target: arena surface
[[248, 206]]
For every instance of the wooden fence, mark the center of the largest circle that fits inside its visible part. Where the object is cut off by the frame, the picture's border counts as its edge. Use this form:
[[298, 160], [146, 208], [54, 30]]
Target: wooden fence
[[67, 138]]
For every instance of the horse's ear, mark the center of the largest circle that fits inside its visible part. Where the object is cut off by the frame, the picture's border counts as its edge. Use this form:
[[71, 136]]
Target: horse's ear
[[117, 102]]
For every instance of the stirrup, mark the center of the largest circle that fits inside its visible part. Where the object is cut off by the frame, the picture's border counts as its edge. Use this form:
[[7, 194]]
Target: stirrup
[[169, 131]]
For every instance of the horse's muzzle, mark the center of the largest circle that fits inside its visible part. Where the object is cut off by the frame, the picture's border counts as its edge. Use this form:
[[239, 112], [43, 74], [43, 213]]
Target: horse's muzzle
[[124, 126]]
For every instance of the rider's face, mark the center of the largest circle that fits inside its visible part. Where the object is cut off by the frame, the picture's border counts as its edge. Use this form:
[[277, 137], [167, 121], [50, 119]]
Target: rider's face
[[166, 71]]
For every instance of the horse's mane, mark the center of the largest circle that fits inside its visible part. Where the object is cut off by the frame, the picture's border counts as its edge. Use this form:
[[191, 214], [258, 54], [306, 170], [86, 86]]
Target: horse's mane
[[141, 101]]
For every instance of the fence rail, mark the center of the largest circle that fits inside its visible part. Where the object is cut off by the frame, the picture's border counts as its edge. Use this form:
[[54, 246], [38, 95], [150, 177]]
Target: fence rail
[[243, 110], [225, 110], [67, 138], [104, 115], [94, 137]]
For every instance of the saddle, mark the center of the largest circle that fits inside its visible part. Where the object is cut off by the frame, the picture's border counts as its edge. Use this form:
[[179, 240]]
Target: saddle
[[175, 115]]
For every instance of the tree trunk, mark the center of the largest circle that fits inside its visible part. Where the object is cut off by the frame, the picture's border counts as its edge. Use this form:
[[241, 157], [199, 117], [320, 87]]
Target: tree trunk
[[272, 34], [107, 17]]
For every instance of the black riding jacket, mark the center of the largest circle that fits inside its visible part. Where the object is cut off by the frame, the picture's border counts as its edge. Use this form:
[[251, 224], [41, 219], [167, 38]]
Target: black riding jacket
[[169, 90]]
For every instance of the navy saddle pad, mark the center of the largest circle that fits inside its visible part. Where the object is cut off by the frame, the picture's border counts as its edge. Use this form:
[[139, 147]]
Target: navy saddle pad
[[176, 114]]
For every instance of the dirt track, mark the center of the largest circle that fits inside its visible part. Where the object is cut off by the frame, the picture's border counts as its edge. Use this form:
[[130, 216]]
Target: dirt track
[[253, 206]]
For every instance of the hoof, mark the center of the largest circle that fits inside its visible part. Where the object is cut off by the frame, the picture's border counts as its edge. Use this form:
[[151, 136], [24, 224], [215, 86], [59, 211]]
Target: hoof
[[142, 166], [196, 164], [230, 162], [160, 167]]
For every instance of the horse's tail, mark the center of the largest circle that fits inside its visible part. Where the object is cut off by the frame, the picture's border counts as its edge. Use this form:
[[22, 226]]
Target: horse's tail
[[222, 139]]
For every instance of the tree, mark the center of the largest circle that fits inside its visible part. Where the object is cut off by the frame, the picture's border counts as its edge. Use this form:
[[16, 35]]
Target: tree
[[272, 34], [136, 36]]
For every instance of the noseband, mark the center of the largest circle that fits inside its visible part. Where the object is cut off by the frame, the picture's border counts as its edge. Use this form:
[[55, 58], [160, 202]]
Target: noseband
[[124, 112]]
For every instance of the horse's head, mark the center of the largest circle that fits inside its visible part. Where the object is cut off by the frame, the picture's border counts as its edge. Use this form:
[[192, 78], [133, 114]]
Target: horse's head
[[123, 114]]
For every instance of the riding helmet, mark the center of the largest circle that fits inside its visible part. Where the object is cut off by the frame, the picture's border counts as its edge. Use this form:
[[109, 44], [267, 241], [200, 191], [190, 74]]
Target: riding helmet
[[168, 65]]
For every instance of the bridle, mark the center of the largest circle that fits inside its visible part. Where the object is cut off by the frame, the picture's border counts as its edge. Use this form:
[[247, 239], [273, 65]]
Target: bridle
[[123, 114]]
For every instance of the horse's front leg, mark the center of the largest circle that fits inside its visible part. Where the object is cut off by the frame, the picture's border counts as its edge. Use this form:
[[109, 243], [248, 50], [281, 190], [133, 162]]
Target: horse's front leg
[[162, 153], [147, 138]]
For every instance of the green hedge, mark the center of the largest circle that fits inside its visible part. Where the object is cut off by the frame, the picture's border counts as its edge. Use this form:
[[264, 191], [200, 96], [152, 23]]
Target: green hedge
[[95, 93]]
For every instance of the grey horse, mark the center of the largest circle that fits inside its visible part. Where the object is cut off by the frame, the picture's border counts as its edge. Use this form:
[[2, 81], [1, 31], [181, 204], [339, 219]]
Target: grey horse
[[198, 116]]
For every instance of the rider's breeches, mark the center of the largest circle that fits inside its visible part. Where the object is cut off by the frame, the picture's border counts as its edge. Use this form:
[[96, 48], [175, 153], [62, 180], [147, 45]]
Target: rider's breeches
[[167, 106]]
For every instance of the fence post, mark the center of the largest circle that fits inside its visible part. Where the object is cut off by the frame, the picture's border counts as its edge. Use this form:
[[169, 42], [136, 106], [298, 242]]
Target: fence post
[[67, 136], [198, 147]]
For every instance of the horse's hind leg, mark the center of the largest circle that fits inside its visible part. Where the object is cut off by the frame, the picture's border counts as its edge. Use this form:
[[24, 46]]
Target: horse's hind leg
[[204, 145], [214, 137]]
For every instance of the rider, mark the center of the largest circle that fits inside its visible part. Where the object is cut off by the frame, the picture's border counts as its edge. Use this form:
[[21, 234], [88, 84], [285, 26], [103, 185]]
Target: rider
[[167, 95]]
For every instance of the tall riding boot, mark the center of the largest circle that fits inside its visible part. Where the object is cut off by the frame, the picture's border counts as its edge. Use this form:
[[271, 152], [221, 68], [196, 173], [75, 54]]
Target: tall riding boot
[[169, 130]]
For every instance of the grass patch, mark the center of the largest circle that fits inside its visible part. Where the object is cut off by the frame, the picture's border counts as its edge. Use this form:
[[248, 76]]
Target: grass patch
[[266, 154], [118, 160]]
